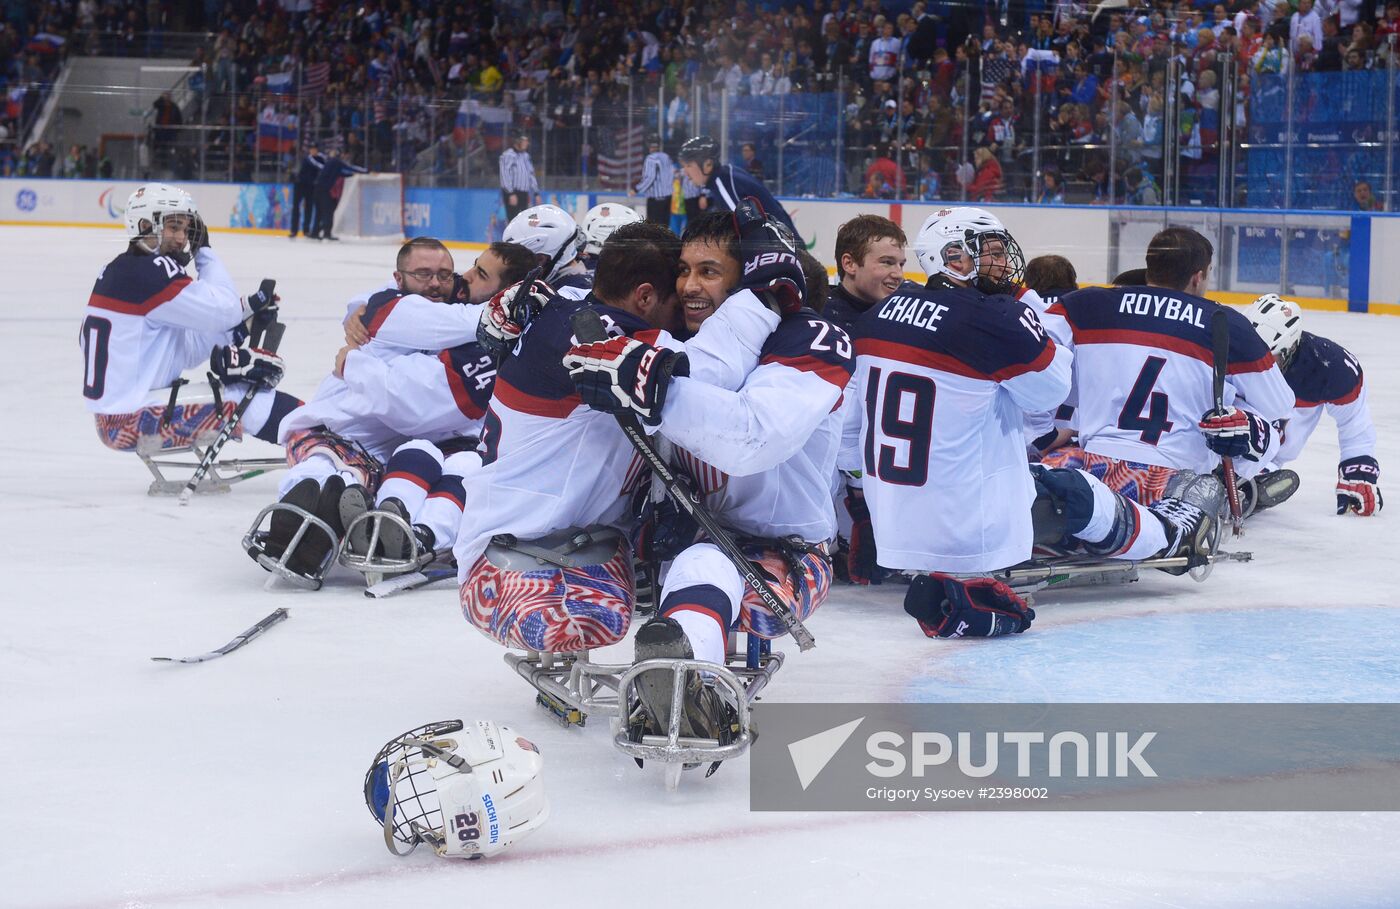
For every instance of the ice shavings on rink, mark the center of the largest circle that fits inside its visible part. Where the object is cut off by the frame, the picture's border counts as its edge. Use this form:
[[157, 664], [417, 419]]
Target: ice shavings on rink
[[237, 782]]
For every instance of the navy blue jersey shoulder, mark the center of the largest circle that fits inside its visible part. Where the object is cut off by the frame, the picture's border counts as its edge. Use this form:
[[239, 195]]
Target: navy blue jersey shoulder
[[536, 367], [985, 332], [731, 185], [133, 278], [476, 367], [1158, 310], [582, 282], [842, 308], [1322, 371], [1246, 347], [806, 333], [378, 301]]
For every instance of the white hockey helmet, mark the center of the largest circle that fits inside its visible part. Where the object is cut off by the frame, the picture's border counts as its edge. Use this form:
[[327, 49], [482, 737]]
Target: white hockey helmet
[[150, 203], [1279, 323], [602, 220], [550, 233], [470, 790], [967, 229]]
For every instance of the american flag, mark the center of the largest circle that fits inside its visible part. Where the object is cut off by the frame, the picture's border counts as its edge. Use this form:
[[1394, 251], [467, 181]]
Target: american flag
[[622, 162], [314, 78]]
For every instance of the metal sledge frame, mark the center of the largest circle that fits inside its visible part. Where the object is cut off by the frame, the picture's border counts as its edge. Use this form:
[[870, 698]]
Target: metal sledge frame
[[254, 541], [1038, 574], [215, 481], [374, 567], [573, 687]]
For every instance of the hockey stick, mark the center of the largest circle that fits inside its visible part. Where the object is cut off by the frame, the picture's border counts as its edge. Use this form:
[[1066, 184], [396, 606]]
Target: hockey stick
[[238, 641], [588, 327], [1220, 356], [271, 339], [410, 581]]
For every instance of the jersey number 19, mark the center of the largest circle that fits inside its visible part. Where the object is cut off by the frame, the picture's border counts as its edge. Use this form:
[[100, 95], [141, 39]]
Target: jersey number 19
[[906, 415]]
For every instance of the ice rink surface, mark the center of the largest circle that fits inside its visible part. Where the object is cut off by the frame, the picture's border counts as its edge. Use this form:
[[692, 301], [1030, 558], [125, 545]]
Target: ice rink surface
[[237, 782]]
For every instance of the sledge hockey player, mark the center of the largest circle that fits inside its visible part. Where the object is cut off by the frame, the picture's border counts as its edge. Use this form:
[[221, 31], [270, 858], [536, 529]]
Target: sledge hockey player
[[147, 321], [944, 377], [556, 470], [870, 257], [599, 224], [727, 184], [1323, 375], [557, 242], [379, 396], [498, 266], [760, 456], [1143, 378]]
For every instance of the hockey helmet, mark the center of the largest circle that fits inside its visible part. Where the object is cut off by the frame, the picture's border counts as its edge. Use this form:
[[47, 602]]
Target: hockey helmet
[[602, 220], [550, 233], [152, 202], [699, 149], [969, 230], [1279, 323], [469, 790]]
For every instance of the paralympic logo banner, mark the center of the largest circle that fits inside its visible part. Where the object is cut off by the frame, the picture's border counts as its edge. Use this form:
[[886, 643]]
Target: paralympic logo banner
[[1084, 757]]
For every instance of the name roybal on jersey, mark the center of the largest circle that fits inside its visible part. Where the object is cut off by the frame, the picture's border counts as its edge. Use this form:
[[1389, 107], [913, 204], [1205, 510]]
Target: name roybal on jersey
[[1166, 307]]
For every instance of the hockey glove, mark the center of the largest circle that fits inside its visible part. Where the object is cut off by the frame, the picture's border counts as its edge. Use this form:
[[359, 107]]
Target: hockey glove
[[505, 316], [861, 565], [1235, 433], [663, 528], [1358, 486], [946, 607], [772, 269], [622, 374], [249, 365]]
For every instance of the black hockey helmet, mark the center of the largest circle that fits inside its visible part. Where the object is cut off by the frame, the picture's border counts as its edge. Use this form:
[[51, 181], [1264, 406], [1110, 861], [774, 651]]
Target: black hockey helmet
[[700, 149]]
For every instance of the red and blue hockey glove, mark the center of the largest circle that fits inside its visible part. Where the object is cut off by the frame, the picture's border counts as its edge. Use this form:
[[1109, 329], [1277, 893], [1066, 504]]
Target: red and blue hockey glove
[[768, 252], [622, 374], [946, 607], [249, 365], [1358, 486], [506, 315], [1236, 433]]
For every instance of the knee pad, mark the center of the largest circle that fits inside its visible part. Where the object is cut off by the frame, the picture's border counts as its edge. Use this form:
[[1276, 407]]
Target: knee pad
[[1204, 490], [701, 564], [1064, 503], [573, 547]]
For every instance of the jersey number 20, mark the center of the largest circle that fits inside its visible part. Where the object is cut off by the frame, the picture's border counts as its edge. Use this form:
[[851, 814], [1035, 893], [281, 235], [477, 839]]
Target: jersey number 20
[[906, 416]]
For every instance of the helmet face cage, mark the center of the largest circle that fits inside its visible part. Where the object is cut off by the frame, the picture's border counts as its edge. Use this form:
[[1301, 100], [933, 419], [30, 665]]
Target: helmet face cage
[[998, 279], [400, 788], [1276, 320]]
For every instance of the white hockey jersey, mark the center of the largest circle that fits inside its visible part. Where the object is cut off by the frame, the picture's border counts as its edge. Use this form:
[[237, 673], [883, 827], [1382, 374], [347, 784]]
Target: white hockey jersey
[[764, 454], [147, 322], [551, 462], [382, 404], [1143, 374], [1324, 376], [944, 379]]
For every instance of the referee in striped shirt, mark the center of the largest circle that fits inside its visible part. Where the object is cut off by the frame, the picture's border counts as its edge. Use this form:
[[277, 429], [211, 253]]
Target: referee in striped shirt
[[658, 182], [518, 184]]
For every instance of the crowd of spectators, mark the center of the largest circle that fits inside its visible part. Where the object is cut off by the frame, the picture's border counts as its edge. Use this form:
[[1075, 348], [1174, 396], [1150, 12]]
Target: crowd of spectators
[[940, 98]]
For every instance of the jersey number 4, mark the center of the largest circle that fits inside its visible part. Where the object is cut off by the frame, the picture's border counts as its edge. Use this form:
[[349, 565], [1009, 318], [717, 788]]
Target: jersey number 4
[[905, 416], [97, 331], [1153, 422]]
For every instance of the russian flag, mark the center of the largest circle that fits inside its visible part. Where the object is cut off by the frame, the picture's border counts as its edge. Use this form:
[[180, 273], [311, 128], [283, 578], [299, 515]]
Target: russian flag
[[476, 119], [277, 133], [279, 83]]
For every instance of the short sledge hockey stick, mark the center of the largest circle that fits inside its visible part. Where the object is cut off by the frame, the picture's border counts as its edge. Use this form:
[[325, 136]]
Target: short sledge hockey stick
[[277, 616]]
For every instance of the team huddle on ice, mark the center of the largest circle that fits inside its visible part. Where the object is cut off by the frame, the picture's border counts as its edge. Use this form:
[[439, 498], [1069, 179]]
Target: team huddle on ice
[[945, 432]]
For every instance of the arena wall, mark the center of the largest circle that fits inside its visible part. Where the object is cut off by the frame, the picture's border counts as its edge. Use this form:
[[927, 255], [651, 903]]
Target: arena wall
[[1334, 260]]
